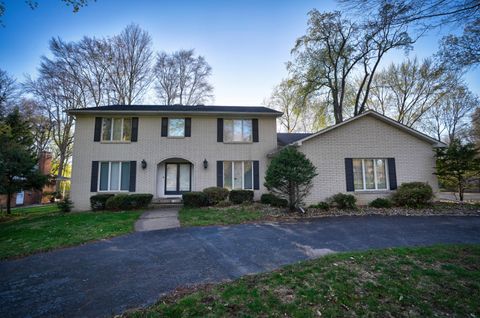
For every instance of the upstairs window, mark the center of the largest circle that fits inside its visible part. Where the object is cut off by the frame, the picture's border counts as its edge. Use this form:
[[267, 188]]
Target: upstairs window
[[237, 130], [116, 129], [176, 127], [370, 174]]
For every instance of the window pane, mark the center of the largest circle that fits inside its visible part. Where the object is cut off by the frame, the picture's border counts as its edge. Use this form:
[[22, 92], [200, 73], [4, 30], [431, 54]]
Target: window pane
[[237, 130], [247, 175], [357, 174], [185, 177], [369, 174], [237, 175], [127, 129], [176, 127], [381, 174], [227, 130], [104, 176], [117, 129], [247, 130], [171, 175], [227, 175], [106, 128], [115, 176], [125, 176]]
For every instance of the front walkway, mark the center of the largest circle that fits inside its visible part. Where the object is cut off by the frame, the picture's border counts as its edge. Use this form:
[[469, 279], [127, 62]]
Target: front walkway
[[107, 277], [158, 219]]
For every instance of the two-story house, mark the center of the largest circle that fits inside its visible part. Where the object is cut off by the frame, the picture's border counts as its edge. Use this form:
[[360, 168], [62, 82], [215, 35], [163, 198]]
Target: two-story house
[[169, 150]]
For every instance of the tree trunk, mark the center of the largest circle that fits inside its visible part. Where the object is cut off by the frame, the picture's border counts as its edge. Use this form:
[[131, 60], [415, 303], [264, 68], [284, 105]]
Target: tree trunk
[[291, 197], [461, 190], [61, 166]]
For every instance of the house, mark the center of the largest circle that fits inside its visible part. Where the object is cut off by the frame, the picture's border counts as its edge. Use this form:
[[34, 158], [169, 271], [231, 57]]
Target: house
[[169, 150]]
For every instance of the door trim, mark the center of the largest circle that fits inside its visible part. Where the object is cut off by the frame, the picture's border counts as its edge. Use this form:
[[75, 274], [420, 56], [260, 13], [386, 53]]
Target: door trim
[[177, 191]]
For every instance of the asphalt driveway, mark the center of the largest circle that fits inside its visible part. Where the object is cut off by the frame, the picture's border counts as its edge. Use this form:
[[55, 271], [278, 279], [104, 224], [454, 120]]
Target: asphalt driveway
[[107, 277]]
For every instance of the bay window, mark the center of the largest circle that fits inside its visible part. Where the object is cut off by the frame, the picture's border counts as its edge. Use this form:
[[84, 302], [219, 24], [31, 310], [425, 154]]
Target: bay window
[[238, 175], [237, 130], [370, 174], [114, 176], [116, 129]]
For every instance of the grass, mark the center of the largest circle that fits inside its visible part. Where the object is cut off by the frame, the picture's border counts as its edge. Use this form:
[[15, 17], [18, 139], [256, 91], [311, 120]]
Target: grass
[[203, 217], [43, 228], [399, 282]]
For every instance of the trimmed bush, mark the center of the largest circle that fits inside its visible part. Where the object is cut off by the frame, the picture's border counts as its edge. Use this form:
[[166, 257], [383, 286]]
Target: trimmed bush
[[140, 200], [321, 205], [195, 199], [65, 205], [118, 202], [413, 195], [241, 196], [215, 195], [98, 201], [344, 201], [273, 200], [380, 203]]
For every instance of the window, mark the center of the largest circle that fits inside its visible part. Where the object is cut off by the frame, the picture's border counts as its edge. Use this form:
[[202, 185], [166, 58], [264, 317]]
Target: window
[[370, 174], [116, 129], [237, 130], [238, 175], [176, 127], [114, 176]]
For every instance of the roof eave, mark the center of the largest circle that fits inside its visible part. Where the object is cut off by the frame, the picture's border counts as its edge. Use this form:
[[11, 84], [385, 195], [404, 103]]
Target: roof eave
[[74, 112]]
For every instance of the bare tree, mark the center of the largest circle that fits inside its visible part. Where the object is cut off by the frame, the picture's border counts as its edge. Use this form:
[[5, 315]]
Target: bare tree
[[182, 78], [128, 61], [39, 123], [336, 49], [8, 91]]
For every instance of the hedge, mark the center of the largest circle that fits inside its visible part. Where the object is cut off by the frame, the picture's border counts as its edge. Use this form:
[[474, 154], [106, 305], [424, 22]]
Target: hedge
[[195, 199], [240, 196], [98, 201], [215, 195]]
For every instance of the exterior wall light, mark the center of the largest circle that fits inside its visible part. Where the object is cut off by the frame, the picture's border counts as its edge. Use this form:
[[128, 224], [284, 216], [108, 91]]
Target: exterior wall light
[[144, 164], [205, 163]]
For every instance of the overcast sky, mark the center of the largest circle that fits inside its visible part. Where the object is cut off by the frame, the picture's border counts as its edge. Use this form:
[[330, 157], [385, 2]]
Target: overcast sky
[[247, 42]]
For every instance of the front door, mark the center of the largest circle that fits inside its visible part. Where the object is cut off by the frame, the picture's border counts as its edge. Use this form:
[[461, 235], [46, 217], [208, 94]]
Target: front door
[[178, 178]]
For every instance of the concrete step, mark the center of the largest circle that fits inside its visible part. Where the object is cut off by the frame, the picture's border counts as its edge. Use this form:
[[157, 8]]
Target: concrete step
[[167, 201], [165, 205]]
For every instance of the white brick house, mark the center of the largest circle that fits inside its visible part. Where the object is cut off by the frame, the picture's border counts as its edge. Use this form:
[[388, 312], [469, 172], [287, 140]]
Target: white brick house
[[168, 150]]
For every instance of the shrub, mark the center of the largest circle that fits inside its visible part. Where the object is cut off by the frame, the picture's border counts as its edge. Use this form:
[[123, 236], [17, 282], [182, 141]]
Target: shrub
[[321, 205], [241, 196], [215, 195], [413, 194], [65, 205], [195, 199], [280, 203], [344, 201], [380, 203], [273, 200], [223, 204], [140, 200], [118, 202], [98, 201]]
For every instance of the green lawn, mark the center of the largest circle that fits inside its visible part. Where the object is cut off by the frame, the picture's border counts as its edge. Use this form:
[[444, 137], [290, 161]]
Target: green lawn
[[204, 216], [43, 228], [401, 282]]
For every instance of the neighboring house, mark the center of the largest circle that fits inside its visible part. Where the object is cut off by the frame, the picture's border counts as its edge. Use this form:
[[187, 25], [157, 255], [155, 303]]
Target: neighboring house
[[169, 150]]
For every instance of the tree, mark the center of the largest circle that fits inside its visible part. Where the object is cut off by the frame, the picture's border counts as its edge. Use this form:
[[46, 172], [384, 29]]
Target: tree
[[456, 164], [182, 78], [18, 159], [335, 50], [475, 127], [407, 91], [290, 175], [8, 91], [40, 124]]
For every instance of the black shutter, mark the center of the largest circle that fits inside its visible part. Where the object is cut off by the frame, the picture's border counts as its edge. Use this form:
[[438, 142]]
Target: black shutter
[[349, 174], [133, 176], [94, 177], [164, 126], [392, 173], [220, 174], [98, 129], [219, 129], [256, 175], [188, 127], [134, 129], [255, 129]]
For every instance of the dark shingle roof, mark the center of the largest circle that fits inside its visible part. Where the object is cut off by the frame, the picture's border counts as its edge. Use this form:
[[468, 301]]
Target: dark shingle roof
[[177, 109], [287, 138]]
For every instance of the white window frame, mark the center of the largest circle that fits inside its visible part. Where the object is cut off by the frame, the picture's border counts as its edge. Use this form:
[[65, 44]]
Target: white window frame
[[233, 173], [121, 130], [109, 176], [364, 178], [168, 128], [233, 128]]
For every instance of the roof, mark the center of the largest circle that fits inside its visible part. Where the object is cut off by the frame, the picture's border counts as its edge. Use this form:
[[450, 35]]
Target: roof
[[287, 138], [177, 109]]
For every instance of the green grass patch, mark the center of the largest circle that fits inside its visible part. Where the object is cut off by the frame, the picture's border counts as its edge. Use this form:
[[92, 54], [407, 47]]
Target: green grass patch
[[205, 216], [400, 282], [42, 228]]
